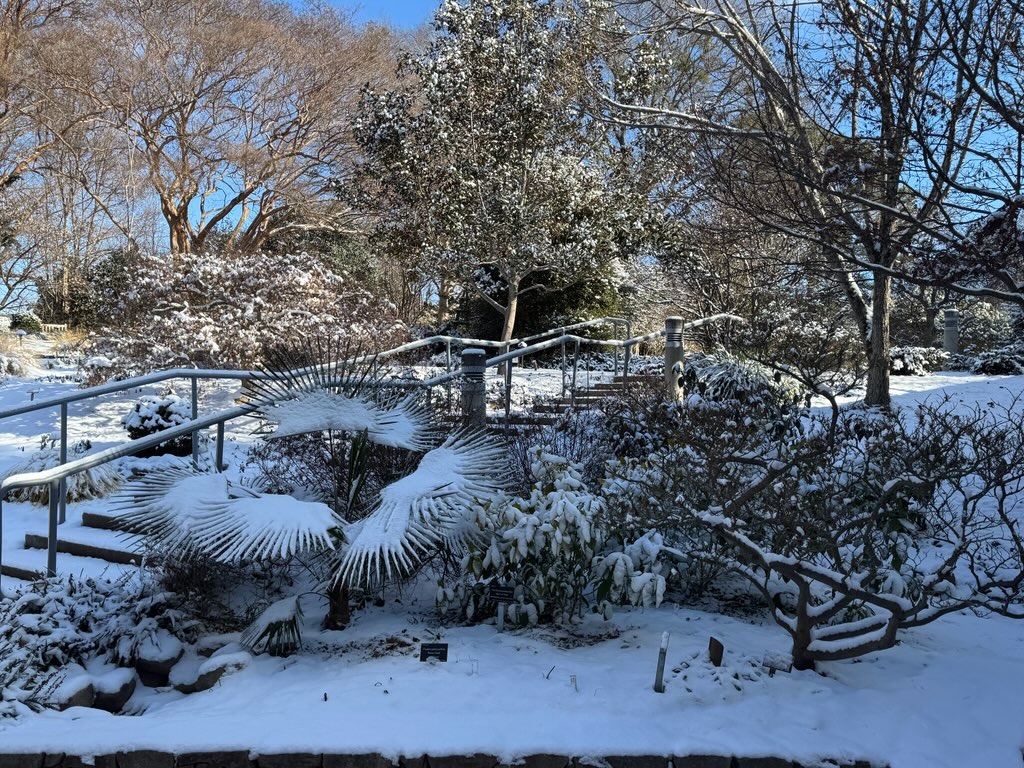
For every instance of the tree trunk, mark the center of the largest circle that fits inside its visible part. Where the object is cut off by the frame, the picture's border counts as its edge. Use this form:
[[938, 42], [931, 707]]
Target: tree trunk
[[339, 614], [878, 344], [802, 631], [443, 300], [931, 314], [510, 314]]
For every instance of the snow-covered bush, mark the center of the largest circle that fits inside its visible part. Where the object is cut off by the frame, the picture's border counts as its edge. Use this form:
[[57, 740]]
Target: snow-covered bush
[[916, 361], [690, 454], [984, 326], [152, 414], [1005, 360], [91, 484], [548, 546], [227, 310], [66, 621], [852, 532], [810, 348], [721, 377]]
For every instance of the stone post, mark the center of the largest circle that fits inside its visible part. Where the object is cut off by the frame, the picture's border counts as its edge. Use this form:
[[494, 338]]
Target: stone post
[[474, 404], [951, 332], [674, 357]]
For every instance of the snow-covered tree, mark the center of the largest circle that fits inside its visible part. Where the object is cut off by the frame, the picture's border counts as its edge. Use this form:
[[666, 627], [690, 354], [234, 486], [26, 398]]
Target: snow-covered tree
[[483, 169]]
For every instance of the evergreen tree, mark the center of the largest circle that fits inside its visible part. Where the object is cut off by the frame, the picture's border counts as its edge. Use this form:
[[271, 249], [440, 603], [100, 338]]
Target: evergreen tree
[[484, 171]]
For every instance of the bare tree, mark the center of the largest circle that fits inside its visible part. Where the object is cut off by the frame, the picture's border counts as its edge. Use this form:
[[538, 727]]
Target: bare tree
[[239, 113], [826, 131]]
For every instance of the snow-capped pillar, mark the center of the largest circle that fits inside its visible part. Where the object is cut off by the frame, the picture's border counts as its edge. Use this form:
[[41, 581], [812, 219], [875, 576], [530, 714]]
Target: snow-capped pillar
[[674, 357], [474, 363], [951, 331]]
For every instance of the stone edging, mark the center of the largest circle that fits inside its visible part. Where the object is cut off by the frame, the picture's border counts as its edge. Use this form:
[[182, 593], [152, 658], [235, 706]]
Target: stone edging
[[242, 759]]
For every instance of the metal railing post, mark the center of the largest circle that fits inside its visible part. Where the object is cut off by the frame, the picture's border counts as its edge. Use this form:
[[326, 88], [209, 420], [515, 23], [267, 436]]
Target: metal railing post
[[474, 403], [63, 460], [626, 348], [615, 351], [219, 454], [508, 387], [2, 495], [674, 357], [563, 369], [195, 415], [575, 368], [51, 533]]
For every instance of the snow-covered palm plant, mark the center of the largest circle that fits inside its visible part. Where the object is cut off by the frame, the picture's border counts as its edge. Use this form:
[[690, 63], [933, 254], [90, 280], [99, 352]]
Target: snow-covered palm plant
[[187, 511]]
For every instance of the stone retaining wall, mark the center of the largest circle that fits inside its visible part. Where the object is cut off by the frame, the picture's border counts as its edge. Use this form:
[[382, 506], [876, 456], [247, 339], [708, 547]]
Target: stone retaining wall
[[152, 759]]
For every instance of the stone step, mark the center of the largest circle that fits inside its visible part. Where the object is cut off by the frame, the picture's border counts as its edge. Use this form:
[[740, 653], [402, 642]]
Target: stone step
[[101, 521], [90, 542], [535, 419], [30, 564], [636, 378]]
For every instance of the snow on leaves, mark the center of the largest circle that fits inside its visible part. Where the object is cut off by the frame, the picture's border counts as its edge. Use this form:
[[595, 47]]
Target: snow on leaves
[[180, 508]]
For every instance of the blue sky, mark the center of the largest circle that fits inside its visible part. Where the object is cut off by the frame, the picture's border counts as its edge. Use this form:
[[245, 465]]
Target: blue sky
[[399, 13]]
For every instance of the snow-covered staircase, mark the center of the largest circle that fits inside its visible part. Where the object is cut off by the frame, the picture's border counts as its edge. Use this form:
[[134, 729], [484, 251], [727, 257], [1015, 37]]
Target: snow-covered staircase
[[589, 397], [89, 546]]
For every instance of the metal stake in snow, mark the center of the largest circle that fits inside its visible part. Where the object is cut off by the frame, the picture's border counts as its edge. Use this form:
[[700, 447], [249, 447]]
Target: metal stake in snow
[[951, 331], [474, 362], [659, 677], [502, 596], [673, 355]]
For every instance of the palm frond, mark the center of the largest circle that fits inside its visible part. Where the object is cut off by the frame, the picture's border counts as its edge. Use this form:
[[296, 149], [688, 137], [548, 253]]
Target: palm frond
[[161, 503], [183, 509], [329, 386], [425, 509], [277, 628]]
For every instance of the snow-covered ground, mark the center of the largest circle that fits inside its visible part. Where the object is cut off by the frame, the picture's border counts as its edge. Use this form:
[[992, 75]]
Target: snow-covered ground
[[948, 695]]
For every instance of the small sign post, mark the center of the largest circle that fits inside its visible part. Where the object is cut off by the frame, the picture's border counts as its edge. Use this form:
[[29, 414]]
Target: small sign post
[[436, 651], [716, 651], [502, 596], [659, 676]]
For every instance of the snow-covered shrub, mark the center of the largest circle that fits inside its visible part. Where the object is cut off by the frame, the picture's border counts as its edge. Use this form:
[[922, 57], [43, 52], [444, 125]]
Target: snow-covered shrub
[[690, 459], [984, 326], [1005, 360], [810, 347], [228, 310], [26, 321], [852, 532], [152, 414], [916, 361], [960, 362], [548, 546], [722, 377], [66, 621], [14, 358], [90, 484]]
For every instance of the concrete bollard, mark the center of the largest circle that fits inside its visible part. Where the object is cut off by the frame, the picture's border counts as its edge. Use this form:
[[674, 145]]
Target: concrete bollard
[[474, 403], [951, 332], [674, 357]]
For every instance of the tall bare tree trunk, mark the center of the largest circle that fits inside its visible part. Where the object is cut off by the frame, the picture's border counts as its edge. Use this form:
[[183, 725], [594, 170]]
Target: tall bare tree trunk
[[878, 344]]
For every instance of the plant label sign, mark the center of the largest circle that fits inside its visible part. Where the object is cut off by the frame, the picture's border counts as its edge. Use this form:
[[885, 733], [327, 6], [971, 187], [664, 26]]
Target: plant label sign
[[502, 594], [436, 651]]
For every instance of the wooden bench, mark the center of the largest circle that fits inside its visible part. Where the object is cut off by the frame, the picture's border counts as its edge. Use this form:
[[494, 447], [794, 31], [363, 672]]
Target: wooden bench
[[54, 327]]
